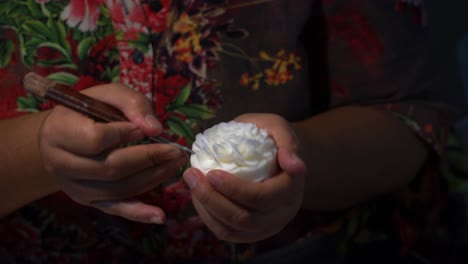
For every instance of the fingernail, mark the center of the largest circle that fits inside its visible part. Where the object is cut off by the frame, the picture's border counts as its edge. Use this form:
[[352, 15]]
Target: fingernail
[[173, 153], [215, 179], [152, 122], [181, 162], [136, 135], [295, 158], [297, 162], [106, 204], [190, 178], [156, 219]]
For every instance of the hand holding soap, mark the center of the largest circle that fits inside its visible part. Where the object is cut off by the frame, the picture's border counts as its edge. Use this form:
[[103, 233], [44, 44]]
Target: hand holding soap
[[241, 149]]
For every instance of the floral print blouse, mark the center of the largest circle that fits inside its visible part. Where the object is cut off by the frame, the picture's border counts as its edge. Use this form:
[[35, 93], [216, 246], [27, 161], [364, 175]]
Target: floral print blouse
[[202, 62]]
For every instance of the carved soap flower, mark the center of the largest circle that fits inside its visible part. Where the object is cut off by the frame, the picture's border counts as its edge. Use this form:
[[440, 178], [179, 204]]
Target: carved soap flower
[[241, 149]]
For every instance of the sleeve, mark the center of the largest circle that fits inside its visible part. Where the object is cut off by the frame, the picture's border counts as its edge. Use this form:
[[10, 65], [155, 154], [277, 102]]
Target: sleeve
[[395, 56], [432, 124]]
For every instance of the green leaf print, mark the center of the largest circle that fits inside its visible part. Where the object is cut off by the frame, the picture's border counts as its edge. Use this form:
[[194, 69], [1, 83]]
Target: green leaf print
[[59, 63], [143, 43], [38, 29], [84, 46], [60, 32], [34, 8], [57, 47], [17, 10], [64, 78], [29, 103], [37, 25], [29, 49], [183, 95], [196, 111], [180, 127], [4, 7], [45, 11], [6, 50], [32, 43]]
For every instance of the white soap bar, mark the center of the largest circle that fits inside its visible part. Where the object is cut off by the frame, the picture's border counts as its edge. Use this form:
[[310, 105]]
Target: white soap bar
[[241, 149]]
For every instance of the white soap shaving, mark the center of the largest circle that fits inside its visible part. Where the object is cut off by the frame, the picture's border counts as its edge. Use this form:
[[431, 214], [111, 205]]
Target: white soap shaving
[[241, 149]]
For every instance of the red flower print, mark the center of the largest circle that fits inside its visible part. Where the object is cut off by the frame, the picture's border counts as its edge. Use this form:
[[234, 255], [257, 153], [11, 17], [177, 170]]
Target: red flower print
[[191, 238], [136, 69], [133, 18], [407, 232], [84, 13], [167, 89], [20, 238], [175, 198], [416, 8], [85, 82], [172, 85], [128, 19], [340, 91], [10, 88], [158, 20], [353, 27], [98, 60], [211, 95]]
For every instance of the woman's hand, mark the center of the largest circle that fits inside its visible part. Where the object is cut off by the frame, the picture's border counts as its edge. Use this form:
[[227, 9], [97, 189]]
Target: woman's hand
[[237, 210], [86, 158]]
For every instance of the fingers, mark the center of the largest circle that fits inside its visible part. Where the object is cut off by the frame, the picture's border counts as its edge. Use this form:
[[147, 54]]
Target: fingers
[[84, 157], [88, 191], [278, 128], [115, 165], [224, 232], [284, 137], [290, 162], [230, 221], [242, 211], [88, 138], [261, 196], [133, 210], [218, 205], [135, 106]]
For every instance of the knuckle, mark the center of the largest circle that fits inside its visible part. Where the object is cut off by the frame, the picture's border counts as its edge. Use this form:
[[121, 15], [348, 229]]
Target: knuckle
[[94, 140], [77, 198], [151, 157], [203, 197], [121, 86], [76, 194], [222, 233], [53, 163], [137, 99], [241, 218], [256, 199], [52, 167], [46, 132], [111, 170]]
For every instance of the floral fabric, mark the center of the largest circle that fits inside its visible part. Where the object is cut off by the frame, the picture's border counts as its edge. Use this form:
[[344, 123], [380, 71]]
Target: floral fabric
[[202, 62]]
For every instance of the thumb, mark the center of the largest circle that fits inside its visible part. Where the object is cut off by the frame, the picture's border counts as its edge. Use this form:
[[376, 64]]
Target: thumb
[[290, 162], [133, 210], [134, 105]]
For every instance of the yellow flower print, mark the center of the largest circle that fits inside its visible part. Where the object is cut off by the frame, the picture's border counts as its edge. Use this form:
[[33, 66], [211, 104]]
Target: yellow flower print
[[185, 48], [184, 24], [277, 77], [246, 80], [266, 57], [195, 40], [280, 72], [294, 61]]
